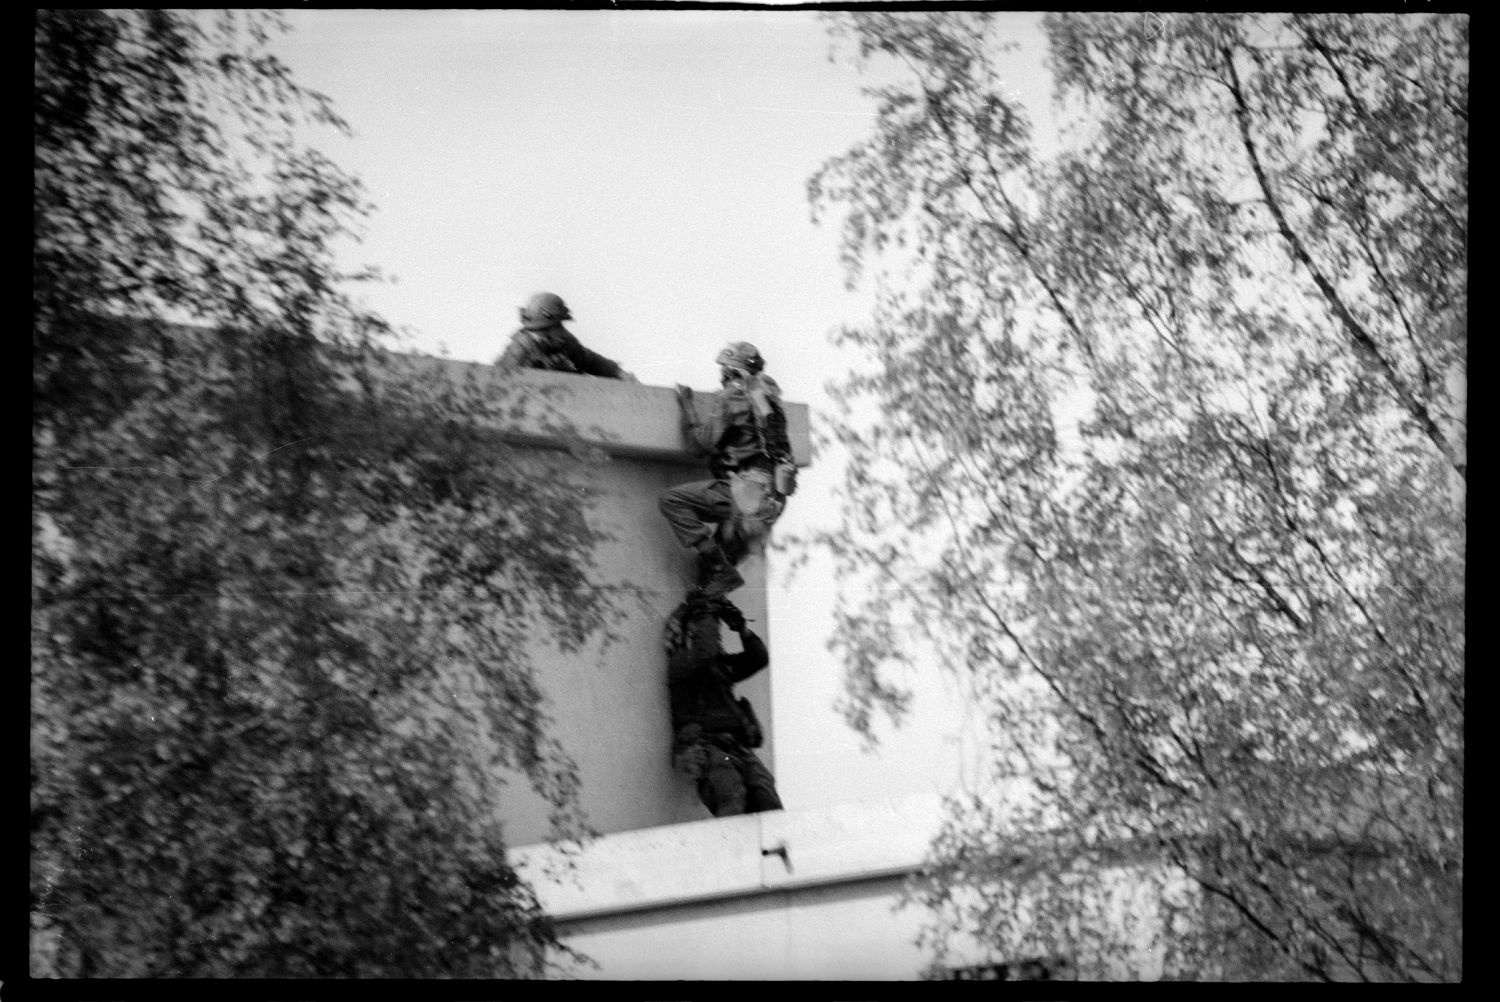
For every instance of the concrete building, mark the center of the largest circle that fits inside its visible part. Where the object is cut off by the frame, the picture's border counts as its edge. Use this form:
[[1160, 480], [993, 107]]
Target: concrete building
[[668, 892], [784, 896], [608, 704]]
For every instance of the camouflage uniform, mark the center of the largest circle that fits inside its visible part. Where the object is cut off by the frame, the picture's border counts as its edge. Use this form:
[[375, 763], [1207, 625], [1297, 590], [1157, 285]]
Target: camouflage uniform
[[558, 350], [743, 449], [713, 732]]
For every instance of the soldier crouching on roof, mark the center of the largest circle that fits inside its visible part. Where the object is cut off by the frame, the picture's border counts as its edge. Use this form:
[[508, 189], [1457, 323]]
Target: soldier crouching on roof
[[544, 343], [750, 457], [713, 731]]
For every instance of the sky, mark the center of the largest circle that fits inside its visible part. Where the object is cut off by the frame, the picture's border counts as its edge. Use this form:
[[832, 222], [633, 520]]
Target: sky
[[651, 168]]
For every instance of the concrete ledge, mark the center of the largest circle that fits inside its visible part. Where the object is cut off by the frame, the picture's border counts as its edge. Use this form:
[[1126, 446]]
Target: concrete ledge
[[723, 858], [627, 419]]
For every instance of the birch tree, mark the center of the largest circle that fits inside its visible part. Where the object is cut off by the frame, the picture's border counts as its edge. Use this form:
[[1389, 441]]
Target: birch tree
[[1158, 438], [282, 593]]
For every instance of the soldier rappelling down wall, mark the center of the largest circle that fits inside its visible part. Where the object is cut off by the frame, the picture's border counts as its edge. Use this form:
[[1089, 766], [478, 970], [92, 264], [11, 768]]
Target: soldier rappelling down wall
[[544, 343], [723, 520], [713, 732], [750, 457]]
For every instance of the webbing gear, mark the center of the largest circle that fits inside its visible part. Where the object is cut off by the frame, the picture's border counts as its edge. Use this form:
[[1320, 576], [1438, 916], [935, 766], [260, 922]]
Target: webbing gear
[[756, 504], [754, 736], [763, 393], [544, 350], [689, 751], [785, 477]]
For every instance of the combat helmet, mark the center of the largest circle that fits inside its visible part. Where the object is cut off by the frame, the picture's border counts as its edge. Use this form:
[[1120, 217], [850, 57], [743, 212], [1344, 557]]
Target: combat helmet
[[545, 309], [743, 357]]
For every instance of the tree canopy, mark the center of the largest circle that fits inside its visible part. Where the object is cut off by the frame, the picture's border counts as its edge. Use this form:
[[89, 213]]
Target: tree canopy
[[283, 591], [1158, 439]]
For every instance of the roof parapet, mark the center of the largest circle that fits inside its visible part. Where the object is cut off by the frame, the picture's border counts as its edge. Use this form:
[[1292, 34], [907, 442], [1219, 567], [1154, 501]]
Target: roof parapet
[[623, 418]]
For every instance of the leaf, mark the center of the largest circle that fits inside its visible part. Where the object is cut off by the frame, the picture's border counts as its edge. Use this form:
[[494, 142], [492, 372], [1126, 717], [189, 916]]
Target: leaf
[[1169, 618], [249, 531]]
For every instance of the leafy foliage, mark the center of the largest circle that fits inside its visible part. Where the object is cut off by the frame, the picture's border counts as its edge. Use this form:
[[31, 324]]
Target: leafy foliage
[[1171, 424], [283, 583]]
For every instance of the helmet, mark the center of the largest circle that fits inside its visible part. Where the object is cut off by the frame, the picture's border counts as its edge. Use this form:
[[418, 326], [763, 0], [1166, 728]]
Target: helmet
[[743, 356], [543, 310], [679, 623]]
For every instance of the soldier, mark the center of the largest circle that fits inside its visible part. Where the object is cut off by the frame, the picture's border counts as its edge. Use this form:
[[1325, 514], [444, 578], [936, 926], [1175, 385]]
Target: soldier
[[544, 343], [750, 458], [713, 731]]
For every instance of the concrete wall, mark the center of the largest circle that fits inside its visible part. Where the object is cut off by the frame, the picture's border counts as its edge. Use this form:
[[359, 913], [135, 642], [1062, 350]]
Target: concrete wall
[[797, 895], [609, 704], [717, 900]]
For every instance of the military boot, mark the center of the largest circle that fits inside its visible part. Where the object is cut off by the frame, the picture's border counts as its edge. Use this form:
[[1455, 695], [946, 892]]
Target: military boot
[[716, 575]]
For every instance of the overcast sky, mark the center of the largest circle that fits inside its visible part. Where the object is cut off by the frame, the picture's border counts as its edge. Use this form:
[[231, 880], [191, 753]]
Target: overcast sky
[[651, 168]]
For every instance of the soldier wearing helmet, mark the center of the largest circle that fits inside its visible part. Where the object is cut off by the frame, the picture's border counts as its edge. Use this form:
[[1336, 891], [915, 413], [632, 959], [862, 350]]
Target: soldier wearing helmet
[[713, 732], [544, 343], [745, 440]]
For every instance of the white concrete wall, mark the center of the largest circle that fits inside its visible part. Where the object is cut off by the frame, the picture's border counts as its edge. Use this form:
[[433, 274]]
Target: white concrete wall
[[712, 900], [844, 932], [609, 704]]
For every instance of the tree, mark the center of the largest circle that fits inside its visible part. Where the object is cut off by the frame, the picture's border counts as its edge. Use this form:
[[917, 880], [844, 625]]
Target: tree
[[1169, 423], [282, 587]]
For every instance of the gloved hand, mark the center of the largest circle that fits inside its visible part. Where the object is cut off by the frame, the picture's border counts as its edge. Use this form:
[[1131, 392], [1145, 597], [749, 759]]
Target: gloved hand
[[732, 617]]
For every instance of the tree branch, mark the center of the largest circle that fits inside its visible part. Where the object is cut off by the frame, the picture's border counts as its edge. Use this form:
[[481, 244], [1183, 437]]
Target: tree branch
[[1363, 112], [1260, 926], [1013, 236], [1380, 65], [1365, 345]]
